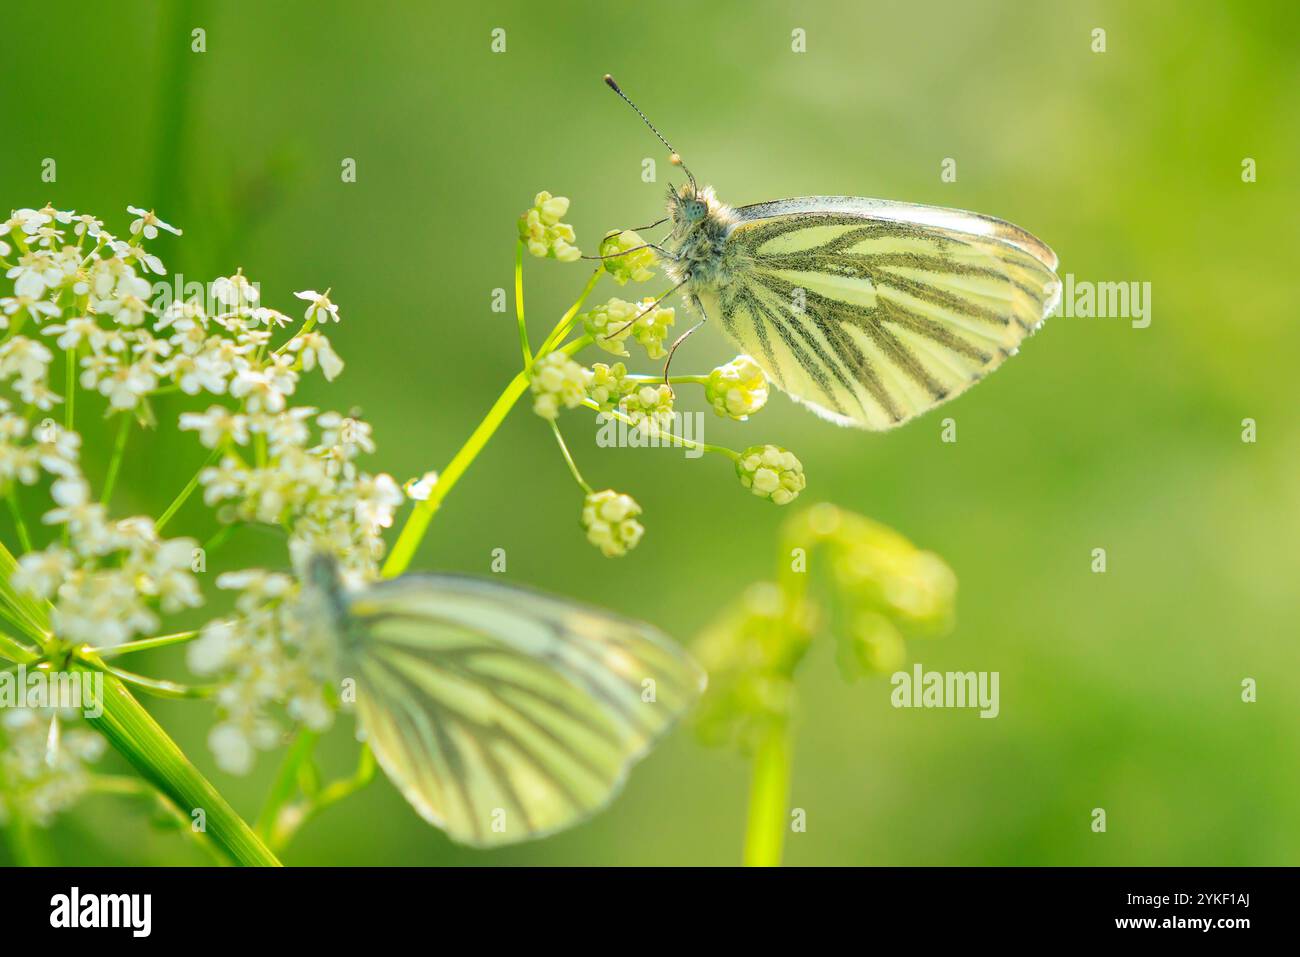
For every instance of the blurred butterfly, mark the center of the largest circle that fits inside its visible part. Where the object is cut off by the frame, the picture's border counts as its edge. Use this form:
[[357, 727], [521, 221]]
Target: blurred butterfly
[[867, 311], [501, 714]]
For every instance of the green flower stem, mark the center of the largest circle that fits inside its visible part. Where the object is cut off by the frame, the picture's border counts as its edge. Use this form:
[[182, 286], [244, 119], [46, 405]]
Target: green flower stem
[[145, 644], [672, 379], [769, 794], [568, 458], [417, 522], [566, 321], [70, 388], [286, 781], [122, 785], [155, 686], [25, 613], [133, 732], [289, 824], [187, 491], [20, 524], [686, 443], [115, 463], [519, 303]]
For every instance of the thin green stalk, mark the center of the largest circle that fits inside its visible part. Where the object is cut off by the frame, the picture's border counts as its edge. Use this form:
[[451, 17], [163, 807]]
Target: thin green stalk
[[417, 522], [286, 781], [408, 540], [115, 463], [769, 795], [20, 523], [566, 321], [187, 491], [289, 824], [671, 436], [157, 687], [519, 303], [145, 644], [69, 388], [568, 458]]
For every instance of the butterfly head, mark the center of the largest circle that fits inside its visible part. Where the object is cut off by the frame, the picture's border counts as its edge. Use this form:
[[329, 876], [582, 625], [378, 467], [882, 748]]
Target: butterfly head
[[689, 206]]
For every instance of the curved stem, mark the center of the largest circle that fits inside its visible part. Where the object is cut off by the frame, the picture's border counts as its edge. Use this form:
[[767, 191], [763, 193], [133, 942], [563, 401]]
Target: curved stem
[[568, 458], [519, 303]]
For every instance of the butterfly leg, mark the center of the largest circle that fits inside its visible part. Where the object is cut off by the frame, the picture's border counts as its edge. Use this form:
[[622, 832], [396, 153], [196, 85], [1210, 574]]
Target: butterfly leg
[[699, 306], [648, 309]]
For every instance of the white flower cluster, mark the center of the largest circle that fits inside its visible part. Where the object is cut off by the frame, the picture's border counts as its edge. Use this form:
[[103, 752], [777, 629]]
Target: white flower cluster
[[109, 578], [81, 291], [268, 653], [41, 781], [92, 292], [308, 482]]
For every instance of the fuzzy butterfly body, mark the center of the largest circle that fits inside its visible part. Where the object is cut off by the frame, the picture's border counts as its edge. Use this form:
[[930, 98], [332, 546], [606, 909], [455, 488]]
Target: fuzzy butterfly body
[[867, 311]]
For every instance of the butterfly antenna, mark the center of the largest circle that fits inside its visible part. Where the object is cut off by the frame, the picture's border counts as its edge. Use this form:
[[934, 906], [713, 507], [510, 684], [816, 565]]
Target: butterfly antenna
[[675, 158]]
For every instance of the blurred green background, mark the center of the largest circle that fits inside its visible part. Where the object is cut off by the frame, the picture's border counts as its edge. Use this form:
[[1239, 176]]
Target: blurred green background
[[1119, 690]]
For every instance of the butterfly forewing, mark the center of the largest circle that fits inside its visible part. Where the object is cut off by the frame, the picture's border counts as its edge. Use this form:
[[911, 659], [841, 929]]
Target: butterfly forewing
[[872, 312], [504, 714]]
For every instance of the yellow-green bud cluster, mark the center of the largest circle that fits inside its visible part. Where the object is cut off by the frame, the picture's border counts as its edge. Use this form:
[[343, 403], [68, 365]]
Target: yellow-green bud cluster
[[558, 381], [608, 385], [738, 389], [610, 324], [543, 233], [633, 266], [771, 472], [650, 407], [609, 519], [652, 328]]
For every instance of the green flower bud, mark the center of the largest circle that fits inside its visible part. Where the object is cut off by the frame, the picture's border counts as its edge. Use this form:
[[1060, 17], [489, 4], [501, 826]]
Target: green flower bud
[[608, 385], [652, 328], [650, 407], [634, 266], [558, 381], [609, 325], [543, 233], [738, 389], [771, 472], [609, 519]]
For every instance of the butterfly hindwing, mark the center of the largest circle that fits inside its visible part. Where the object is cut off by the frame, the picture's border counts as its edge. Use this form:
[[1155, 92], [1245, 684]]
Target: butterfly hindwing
[[871, 312], [504, 714]]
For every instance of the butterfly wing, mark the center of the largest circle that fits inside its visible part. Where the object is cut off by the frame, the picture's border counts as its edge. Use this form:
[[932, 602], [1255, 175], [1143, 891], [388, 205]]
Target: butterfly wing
[[871, 312], [504, 714]]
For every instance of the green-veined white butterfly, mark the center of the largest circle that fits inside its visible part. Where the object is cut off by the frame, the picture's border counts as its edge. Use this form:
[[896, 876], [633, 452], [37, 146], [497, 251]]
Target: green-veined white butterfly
[[502, 714], [867, 311]]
